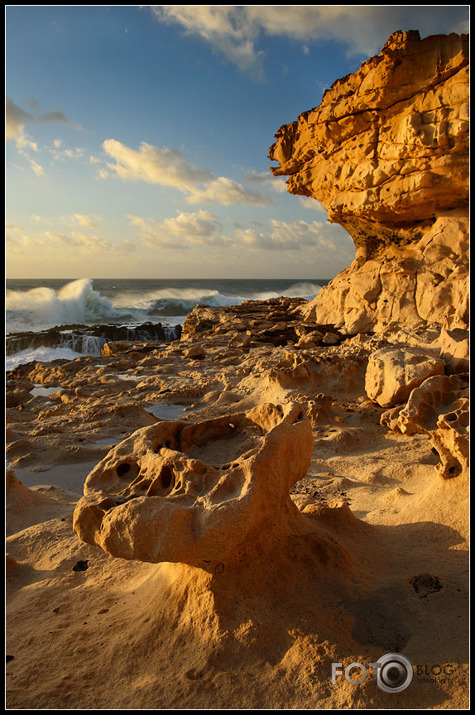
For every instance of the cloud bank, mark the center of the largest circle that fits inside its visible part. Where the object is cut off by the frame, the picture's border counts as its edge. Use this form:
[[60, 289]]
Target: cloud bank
[[168, 167], [234, 31], [183, 231]]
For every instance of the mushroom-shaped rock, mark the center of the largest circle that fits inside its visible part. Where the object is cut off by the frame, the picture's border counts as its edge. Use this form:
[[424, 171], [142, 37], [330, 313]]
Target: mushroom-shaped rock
[[200, 493]]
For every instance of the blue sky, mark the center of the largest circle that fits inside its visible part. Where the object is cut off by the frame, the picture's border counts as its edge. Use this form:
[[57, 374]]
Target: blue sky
[[137, 137]]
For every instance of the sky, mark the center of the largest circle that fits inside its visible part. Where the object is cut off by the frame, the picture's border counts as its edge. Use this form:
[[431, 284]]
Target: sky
[[137, 137]]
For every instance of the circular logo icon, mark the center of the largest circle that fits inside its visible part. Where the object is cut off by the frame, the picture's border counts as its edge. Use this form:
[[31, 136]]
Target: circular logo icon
[[395, 673]]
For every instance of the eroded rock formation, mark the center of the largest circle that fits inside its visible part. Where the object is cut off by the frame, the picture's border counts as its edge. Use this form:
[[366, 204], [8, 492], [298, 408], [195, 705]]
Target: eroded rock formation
[[439, 408], [393, 373], [386, 153], [198, 493]]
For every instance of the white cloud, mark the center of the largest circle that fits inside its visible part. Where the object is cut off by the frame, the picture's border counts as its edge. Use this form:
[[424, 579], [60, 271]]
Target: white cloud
[[15, 120], [235, 30], [168, 167], [306, 202], [58, 153], [36, 168], [16, 238], [82, 220], [265, 178], [24, 146], [298, 236], [154, 165], [228, 28], [227, 192], [63, 245], [185, 230], [88, 244]]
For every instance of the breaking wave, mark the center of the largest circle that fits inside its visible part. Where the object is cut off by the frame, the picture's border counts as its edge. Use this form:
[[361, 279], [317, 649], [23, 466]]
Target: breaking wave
[[79, 303], [40, 308], [44, 323]]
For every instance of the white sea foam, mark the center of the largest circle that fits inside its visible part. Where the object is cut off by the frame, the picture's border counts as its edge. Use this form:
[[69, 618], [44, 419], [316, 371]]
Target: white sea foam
[[40, 308], [41, 354], [298, 290], [78, 303], [182, 300], [172, 301]]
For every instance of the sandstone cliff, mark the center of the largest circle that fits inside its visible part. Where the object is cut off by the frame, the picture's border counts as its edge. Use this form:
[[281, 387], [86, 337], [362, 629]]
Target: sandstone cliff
[[386, 153]]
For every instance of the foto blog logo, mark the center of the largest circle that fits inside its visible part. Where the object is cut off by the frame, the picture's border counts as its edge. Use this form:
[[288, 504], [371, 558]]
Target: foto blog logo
[[393, 672]]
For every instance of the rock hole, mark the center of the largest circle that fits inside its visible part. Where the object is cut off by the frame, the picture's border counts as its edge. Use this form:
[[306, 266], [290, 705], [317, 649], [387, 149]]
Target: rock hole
[[123, 469], [162, 484], [167, 477], [425, 583], [451, 417]]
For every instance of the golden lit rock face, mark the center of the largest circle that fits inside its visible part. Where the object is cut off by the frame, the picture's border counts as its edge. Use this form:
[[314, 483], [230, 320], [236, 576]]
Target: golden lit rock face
[[201, 493], [388, 143], [386, 153]]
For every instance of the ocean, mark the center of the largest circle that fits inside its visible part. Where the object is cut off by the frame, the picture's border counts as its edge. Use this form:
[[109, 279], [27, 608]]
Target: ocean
[[50, 319]]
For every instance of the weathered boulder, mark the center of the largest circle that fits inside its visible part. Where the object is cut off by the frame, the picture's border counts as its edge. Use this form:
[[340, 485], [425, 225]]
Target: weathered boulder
[[454, 349], [197, 493], [439, 408], [392, 373], [386, 153]]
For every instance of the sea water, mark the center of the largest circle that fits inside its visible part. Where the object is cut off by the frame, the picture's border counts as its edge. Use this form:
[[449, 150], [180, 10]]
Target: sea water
[[35, 305]]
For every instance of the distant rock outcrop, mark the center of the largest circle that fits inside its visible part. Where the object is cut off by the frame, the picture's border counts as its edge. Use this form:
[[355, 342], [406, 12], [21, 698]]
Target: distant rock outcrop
[[386, 153]]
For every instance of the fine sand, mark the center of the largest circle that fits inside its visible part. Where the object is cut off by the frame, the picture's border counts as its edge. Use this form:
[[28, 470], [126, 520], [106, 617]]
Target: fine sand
[[375, 563]]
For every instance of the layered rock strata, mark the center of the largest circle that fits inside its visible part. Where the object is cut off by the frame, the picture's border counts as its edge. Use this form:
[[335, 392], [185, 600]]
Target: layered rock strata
[[386, 153]]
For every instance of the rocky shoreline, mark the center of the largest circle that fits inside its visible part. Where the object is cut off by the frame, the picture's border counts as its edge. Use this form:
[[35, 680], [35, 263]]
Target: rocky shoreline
[[368, 468], [88, 339], [283, 487]]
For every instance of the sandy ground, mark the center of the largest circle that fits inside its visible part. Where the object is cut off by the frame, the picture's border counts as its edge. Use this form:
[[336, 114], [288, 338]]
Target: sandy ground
[[376, 563]]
